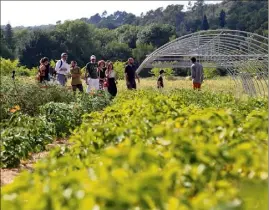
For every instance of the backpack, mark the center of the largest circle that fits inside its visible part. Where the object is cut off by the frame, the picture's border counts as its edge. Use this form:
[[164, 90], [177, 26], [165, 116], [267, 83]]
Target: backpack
[[61, 64]]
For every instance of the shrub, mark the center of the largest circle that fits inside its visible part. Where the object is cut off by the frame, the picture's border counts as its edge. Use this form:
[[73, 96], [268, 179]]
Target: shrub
[[8, 66], [151, 150], [65, 117], [29, 95], [22, 135], [119, 69], [169, 72]]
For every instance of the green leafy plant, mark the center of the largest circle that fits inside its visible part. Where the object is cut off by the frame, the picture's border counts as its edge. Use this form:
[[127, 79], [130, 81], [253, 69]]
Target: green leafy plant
[[154, 150], [169, 72], [22, 135]]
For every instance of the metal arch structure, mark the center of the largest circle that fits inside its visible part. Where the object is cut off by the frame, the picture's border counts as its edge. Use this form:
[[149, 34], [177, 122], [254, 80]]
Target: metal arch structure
[[243, 54]]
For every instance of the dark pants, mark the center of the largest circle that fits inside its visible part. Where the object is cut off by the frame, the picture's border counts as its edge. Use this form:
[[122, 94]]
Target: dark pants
[[112, 87], [79, 86], [43, 79], [131, 84]]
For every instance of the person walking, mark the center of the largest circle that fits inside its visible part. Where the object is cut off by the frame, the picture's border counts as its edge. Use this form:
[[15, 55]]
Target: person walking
[[160, 79], [43, 70], [197, 74], [101, 73], [111, 79], [76, 74], [131, 75], [63, 69], [91, 75]]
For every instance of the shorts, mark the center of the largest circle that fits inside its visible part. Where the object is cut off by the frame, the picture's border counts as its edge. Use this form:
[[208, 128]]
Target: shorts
[[93, 84], [196, 85], [131, 85]]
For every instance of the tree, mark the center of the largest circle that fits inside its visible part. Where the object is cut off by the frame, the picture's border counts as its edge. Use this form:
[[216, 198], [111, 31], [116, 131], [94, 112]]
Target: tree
[[95, 19], [141, 51], [9, 38], [205, 25], [77, 39], [5, 52], [22, 37], [40, 45], [127, 34], [104, 14], [199, 7], [155, 34], [222, 19], [116, 51], [189, 7]]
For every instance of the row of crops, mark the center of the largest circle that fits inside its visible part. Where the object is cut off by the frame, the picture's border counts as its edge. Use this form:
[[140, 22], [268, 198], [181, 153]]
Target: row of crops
[[175, 149]]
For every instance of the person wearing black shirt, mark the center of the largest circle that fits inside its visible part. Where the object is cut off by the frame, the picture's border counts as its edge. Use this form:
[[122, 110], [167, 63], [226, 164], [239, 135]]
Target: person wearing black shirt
[[160, 79], [130, 74]]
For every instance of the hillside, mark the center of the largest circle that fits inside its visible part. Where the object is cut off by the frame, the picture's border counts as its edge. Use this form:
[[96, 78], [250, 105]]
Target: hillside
[[120, 35]]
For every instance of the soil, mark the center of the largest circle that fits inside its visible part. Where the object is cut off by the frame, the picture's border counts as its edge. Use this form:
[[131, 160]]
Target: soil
[[8, 174]]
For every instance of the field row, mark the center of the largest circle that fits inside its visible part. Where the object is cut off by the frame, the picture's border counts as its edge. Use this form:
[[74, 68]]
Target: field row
[[155, 150]]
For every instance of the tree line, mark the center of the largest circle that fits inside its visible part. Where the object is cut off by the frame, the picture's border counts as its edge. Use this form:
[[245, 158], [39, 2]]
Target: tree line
[[121, 35]]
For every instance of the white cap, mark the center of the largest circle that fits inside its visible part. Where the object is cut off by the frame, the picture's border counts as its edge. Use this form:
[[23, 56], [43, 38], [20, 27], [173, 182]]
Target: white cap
[[93, 57]]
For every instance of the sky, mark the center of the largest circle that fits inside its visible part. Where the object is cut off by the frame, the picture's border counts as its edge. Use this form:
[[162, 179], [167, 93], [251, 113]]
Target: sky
[[31, 13]]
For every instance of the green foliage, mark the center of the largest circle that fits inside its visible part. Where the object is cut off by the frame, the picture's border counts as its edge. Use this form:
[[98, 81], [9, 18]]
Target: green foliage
[[117, 51], [141, 51], [29, 96], [155, 34], [154, 150], [22, 135], [119, 69], [205, 25], [118, 35], [55, 112], [66, 117], [8, 66], [222, 18], [156, 71]]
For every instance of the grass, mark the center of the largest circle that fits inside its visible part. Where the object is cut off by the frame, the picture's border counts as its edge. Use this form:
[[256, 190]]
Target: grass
[[221, 84]]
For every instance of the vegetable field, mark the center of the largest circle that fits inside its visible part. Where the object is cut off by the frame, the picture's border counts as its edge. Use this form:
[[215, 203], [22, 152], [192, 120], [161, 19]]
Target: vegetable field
[[175, 149]]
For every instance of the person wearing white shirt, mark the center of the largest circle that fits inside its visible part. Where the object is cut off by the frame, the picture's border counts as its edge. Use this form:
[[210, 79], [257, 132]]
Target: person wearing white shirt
[[111, 79], [63, 69]]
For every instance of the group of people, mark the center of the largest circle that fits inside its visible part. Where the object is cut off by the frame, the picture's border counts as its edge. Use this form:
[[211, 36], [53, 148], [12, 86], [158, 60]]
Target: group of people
[[98, 76], [101, 75]]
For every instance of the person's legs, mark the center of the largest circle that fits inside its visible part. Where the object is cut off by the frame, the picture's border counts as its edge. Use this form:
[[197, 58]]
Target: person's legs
[[61, 79], [101, 84], [80, 87], [74, 87], [196, 86], [133, 84], [96, 84], [129, 86], [89, 86]]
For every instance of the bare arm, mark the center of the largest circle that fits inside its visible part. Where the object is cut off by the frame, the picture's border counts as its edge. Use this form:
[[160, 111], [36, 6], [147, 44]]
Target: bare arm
[[137, 77]]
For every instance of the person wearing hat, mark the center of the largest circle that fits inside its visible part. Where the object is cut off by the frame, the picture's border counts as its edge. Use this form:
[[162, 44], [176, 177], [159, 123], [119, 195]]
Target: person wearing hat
[[63, 69], [91, 74], [160, 79]]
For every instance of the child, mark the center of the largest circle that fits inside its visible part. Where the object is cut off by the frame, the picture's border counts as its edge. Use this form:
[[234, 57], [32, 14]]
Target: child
[[160, 79]]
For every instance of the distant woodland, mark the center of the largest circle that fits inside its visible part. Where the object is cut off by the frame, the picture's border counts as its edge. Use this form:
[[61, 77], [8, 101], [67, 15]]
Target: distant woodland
[[120, 35]]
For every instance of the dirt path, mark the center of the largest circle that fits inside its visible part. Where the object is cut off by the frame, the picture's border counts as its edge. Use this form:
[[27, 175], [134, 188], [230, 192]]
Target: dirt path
[[8, 175]]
